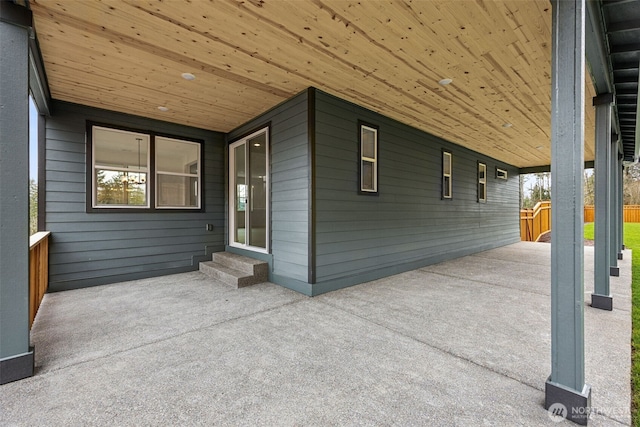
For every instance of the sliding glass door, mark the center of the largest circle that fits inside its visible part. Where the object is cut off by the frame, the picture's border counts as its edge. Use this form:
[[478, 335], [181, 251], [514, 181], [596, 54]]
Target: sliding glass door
[[249, 192]]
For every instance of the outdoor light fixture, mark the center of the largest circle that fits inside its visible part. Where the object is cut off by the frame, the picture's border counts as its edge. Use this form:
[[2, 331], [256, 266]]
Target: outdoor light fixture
[[507, 125], [188, 76], [163, 108], [445, 82]]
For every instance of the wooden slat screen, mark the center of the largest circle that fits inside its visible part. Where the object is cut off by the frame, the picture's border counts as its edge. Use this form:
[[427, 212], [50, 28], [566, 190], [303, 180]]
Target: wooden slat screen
[[38, 271]]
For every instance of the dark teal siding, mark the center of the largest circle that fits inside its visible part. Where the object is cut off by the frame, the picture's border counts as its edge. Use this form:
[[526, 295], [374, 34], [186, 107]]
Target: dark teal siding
[[407, 225], [95, 248], [289, 189], [355, 237]]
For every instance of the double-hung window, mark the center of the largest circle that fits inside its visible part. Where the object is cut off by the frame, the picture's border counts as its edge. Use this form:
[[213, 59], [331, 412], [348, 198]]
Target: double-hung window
[[120, 168], [141, 170], [482, 182], [368, 159], [446, 175], [177, 173]]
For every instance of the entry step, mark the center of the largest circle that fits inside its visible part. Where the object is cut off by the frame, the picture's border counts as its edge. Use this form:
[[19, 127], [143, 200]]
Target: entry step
[[235, 270]]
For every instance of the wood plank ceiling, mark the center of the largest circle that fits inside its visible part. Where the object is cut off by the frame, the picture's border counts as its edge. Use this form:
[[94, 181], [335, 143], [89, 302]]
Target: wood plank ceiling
[[248, 56]]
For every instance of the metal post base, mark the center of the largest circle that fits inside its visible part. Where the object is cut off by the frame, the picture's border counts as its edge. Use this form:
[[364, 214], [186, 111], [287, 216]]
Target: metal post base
[[17, 367], [563, 402], [614, 271], [603, 302], [619, 255]]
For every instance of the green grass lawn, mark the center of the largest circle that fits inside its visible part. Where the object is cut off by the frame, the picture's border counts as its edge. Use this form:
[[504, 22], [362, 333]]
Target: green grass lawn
[[588, 231], [631, 241]]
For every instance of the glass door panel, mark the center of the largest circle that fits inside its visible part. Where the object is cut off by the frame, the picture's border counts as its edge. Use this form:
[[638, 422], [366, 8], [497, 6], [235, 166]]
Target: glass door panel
[[240, 186], [249, 181], [258, 191]]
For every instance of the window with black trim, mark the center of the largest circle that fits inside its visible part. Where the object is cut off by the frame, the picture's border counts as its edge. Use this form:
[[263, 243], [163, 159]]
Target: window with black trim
[[368, 158], [446, 175], [141, 170], [177, 173], [482, 182], [501, 174]]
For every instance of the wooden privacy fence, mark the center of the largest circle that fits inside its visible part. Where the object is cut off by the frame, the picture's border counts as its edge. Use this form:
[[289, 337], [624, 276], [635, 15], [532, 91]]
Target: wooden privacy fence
[[537, 221], [631, 213], [38, 271], [534, 222], [589, 213]]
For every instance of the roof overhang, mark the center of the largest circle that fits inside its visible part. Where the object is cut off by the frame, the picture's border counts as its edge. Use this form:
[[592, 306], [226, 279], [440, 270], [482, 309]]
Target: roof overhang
[[248, 56], [613, 55]]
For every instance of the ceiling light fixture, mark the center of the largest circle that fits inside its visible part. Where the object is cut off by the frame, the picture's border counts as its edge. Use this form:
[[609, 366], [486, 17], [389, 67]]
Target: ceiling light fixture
[[188, 76], [163, 108], [445, 82], [134, 178], [507, 125]]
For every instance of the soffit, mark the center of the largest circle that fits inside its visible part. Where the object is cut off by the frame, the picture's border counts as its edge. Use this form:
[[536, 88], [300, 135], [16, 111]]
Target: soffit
[[622, 25], [248, 56]]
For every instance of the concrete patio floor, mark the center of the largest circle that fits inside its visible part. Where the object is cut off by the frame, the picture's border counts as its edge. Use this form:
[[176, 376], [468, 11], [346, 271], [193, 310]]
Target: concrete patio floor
[[465, 342]]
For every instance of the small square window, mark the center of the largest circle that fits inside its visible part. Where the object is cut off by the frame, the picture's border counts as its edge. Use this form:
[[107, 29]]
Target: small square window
[[501, 174], [446, 175]]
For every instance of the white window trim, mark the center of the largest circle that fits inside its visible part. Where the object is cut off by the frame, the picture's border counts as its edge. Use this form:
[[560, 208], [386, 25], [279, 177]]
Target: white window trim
[[94, 184], [232, 183], [482, 181], [501, 174], [447, 157], [150, 138], [190, 175], [373, 160]]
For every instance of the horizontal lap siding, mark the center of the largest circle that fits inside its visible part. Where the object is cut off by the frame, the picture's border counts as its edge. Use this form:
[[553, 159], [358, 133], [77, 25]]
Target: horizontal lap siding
[[96, 248], [289, 165], [407, 223]]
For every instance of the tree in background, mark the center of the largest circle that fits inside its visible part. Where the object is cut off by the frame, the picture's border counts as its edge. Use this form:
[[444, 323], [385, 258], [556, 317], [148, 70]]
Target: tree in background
[[535, 188], [589, 187], [33, 207], [539, 190], [631, 182]]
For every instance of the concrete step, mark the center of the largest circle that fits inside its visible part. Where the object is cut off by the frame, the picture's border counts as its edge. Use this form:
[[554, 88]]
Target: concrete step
[[235, 270], [257, 268]]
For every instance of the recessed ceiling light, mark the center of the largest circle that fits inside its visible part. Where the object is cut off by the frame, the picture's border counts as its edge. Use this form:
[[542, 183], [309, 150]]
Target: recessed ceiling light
[[257, 144], [188, 76], [507, 125], [445, 82], [163, 108], [539, 147]]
